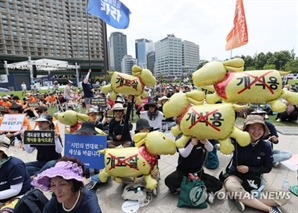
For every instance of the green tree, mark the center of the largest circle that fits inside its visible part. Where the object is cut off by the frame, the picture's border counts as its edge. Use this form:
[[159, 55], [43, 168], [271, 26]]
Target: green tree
[[202, 64], [269, 67], [292, 66], [282, 58]]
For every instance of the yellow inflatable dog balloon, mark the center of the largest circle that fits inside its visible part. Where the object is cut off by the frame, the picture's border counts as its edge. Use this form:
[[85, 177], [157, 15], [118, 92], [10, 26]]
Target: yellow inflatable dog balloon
[[139, 160], [130, 84], [209, 121], [259, 86], [74, 121]]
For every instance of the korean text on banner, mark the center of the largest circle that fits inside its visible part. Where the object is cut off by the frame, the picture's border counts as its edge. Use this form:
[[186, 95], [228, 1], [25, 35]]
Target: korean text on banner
[[85, 148], [238, 36], [12, 122], [114, 13]]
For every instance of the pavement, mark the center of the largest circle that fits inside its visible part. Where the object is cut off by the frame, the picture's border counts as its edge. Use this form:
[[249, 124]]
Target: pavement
[[287, 130], [110, 200]]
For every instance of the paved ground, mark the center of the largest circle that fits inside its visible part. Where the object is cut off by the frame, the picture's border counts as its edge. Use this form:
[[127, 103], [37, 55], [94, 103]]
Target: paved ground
[[110, 200], [287, 130]]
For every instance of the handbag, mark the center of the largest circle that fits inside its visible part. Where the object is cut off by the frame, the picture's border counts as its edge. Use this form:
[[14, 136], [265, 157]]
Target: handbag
[[192, 194], [225, 173], [251, 181]]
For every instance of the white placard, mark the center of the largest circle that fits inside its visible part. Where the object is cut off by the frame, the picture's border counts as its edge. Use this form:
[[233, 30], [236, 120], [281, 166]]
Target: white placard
[[12, 122], [130, 206]]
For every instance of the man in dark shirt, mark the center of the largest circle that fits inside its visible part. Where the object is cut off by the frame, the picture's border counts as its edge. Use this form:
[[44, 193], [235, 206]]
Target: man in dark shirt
[[88, 91]]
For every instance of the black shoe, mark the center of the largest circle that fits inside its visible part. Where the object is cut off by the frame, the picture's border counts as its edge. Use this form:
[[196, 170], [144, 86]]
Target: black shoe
[[92, 186]]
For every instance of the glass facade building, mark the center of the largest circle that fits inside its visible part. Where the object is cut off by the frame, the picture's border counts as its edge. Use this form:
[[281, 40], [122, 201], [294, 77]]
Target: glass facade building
[[52, 29], [117, 50]]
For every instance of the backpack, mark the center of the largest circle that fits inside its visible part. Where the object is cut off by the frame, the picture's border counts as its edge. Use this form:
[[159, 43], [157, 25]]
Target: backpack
[[212, 161], [32, 202]]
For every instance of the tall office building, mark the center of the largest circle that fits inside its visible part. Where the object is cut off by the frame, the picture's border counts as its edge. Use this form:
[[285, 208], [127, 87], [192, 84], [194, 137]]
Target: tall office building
[[190, 56], [168, 57], [142, 47], [118, 49], [127, 63], [151, 61], [52, 29]]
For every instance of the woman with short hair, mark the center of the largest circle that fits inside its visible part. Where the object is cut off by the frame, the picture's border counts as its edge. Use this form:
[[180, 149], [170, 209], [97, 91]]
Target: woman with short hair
[[66, 182]]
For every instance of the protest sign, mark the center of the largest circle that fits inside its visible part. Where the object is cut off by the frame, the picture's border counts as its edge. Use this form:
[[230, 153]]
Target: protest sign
[[39, 137], [12, 122], [33, 104], [98, 101], [85, 148]]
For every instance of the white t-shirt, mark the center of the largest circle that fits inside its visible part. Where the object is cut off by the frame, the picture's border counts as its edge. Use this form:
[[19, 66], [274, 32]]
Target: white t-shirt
[[24, 87], [157, 122]]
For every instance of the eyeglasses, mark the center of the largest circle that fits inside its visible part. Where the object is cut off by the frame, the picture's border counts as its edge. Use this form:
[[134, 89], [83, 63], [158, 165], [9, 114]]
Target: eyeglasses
[[118, 110]]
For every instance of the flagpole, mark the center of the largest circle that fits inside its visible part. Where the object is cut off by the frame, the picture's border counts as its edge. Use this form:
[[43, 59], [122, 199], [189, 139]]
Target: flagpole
[[232, 42], [88, 39]]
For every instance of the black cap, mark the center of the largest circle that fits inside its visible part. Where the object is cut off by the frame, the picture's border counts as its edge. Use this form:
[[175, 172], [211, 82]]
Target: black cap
[[87, 126], [142, 124]]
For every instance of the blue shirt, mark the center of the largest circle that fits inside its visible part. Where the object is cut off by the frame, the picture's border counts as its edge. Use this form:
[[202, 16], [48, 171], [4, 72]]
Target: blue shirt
[[258, 158], [14, 172], [88, 204]]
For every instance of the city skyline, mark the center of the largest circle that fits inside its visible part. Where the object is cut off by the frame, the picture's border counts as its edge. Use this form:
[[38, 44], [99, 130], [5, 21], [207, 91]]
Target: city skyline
[[272, 25]]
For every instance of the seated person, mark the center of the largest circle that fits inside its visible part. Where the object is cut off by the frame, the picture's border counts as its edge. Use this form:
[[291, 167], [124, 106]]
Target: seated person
[[272, 138], [51, 100], [119, 127], [66, 182], [14, 177], [43, 110], [248, 165], [291, 113], [191, 160], [88, 128], [153, 115], [47, 155], [17, 109]]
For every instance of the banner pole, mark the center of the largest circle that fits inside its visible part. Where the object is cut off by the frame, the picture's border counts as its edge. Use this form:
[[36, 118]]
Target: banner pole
[[232, 42], [88, 39]]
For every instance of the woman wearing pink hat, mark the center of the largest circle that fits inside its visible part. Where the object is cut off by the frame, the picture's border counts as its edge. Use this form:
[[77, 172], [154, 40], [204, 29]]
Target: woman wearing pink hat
[[66, 181]]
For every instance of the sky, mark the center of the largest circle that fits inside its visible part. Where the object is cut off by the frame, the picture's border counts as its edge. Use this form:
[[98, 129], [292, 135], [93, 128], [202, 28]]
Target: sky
[[272, 25]]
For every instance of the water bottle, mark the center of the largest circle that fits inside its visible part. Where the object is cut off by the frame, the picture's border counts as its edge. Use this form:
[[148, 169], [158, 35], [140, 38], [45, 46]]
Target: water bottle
[[286, 185], [140, 197], [16, 142]]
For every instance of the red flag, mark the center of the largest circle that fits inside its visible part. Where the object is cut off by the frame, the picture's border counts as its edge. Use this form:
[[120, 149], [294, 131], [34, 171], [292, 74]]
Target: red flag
[[238, 36]]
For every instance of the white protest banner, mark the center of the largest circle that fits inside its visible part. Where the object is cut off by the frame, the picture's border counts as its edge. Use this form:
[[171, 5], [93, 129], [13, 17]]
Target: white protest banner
[[12, 122]]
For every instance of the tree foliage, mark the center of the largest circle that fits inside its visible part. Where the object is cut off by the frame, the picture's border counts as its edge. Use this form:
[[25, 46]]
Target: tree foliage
[[282, 60]]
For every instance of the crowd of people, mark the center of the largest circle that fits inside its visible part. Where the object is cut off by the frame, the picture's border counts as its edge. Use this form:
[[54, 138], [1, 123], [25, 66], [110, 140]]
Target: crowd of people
[[64, 175]]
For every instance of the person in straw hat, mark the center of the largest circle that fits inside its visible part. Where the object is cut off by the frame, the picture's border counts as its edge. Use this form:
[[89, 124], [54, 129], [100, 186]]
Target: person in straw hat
[[14, 177], [66, 182], [248, 166], [119, 128], [272, 138]]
